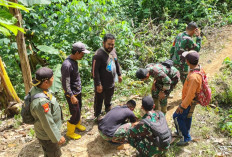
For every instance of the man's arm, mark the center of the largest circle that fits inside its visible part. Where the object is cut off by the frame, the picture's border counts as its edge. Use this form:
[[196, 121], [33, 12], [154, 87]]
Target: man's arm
[[65, 72], [43, 112], [95, 69]]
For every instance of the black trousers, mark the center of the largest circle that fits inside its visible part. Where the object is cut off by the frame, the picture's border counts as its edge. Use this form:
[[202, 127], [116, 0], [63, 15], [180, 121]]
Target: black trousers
[[50, 149], [107, 96], [75, 109]]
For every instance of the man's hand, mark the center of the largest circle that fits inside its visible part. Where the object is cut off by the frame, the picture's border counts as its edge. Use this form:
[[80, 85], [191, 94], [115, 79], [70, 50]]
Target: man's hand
[[162, 95], [99, 89], [197, 32], [62, 140], [119, 79], [179, 110], [74, 100], [135, 123]]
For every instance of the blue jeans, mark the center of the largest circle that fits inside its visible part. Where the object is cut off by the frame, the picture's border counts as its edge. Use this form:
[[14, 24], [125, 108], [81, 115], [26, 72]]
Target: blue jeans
[[183, 124]]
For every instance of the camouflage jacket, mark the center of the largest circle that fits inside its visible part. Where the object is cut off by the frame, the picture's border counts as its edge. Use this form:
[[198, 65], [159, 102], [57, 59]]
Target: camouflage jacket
[[183, 42], [140, 137], [165, 77]]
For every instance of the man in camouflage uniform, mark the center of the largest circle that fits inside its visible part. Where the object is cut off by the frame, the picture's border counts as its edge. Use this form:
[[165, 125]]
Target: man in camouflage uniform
[[47, 114], [140, 136], [165, 76], [184, 42]]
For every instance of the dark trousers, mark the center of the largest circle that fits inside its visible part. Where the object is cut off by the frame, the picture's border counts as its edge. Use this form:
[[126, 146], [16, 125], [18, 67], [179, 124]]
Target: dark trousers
[[75, 109], [107, 96], [183, 123], [50, 149]]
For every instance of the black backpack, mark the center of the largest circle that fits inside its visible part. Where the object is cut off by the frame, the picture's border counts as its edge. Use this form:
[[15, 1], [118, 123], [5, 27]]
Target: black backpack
[[161, 132], [168, 63], [25, 111]]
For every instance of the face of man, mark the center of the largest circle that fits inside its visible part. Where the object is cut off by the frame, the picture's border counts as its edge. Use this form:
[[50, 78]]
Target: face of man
[[79, 56], [109, 45], [145, 77], [47, 83]]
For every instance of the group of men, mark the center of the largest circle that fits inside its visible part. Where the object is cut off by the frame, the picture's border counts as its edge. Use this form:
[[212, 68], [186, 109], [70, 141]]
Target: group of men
[[115, 127]]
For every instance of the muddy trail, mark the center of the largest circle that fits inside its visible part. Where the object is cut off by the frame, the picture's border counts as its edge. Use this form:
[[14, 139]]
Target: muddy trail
[[18, 141]]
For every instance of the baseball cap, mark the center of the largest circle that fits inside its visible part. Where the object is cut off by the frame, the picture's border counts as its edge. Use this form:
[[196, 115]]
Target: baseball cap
[[192, 56], [148, 103], [141, 73], [80, 47], [41, 75]]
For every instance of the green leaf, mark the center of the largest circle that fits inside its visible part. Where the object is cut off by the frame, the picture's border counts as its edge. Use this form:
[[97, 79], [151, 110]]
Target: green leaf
[[56, 86], [7, 18], [13, 28], [32, 2], [4, 31], [48, 49], [13, 5]]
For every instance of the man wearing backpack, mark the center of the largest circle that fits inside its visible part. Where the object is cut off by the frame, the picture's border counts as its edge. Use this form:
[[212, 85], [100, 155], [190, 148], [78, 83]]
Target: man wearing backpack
[[165, 76], [46, 113], [71, 83], [184, 42], [192, 87], [141, 135]]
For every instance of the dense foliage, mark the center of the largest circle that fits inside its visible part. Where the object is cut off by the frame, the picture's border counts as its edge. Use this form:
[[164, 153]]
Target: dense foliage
[[144, 30]]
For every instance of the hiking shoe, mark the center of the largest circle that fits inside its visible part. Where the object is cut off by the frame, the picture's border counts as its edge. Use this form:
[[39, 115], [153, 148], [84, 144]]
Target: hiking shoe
[[182, 143]]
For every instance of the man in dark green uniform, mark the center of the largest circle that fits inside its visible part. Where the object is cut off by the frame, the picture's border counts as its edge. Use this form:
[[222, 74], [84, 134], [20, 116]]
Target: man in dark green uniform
[[165, 77], [184, 42], [47, 113]]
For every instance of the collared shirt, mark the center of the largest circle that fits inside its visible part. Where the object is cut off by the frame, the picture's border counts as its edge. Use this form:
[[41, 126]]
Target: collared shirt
[[47, 119], [71, 80]]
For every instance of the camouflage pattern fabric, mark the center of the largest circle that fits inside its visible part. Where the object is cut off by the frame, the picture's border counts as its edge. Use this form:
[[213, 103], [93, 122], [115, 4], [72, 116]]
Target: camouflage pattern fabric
[[140, 137], [120, 134], [166, 80], [183, 42]]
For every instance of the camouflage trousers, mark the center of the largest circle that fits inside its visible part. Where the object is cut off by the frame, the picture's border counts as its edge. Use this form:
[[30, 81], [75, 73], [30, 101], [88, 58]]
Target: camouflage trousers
[[120, 134], [160, 103], [183, 69]]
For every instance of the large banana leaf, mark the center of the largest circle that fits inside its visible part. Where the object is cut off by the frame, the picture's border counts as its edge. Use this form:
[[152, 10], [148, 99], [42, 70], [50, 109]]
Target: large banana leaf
[[57, 85], [32, 2], [48, 49]]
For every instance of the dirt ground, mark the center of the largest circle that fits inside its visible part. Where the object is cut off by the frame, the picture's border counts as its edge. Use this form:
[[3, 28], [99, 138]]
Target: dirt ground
[[17, 142]]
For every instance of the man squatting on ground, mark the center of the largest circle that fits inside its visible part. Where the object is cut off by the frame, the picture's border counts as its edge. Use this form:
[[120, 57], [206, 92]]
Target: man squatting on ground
[[111, 126]]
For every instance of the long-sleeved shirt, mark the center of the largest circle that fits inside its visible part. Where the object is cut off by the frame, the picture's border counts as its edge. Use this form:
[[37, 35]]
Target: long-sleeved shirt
[[71, 80], [164, 76], [104, 68], [191, 88], [47, 118]]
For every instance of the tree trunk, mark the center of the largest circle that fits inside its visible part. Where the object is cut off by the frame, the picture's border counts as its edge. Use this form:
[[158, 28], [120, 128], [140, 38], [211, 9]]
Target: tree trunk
[[25, 66]]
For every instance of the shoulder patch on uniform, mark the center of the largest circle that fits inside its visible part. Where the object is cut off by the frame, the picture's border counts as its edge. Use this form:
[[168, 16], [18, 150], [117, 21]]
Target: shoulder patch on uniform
[[46, 107]]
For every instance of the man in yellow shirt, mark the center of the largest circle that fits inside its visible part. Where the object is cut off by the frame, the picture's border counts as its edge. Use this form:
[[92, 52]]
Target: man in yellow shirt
[[192, 86]]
